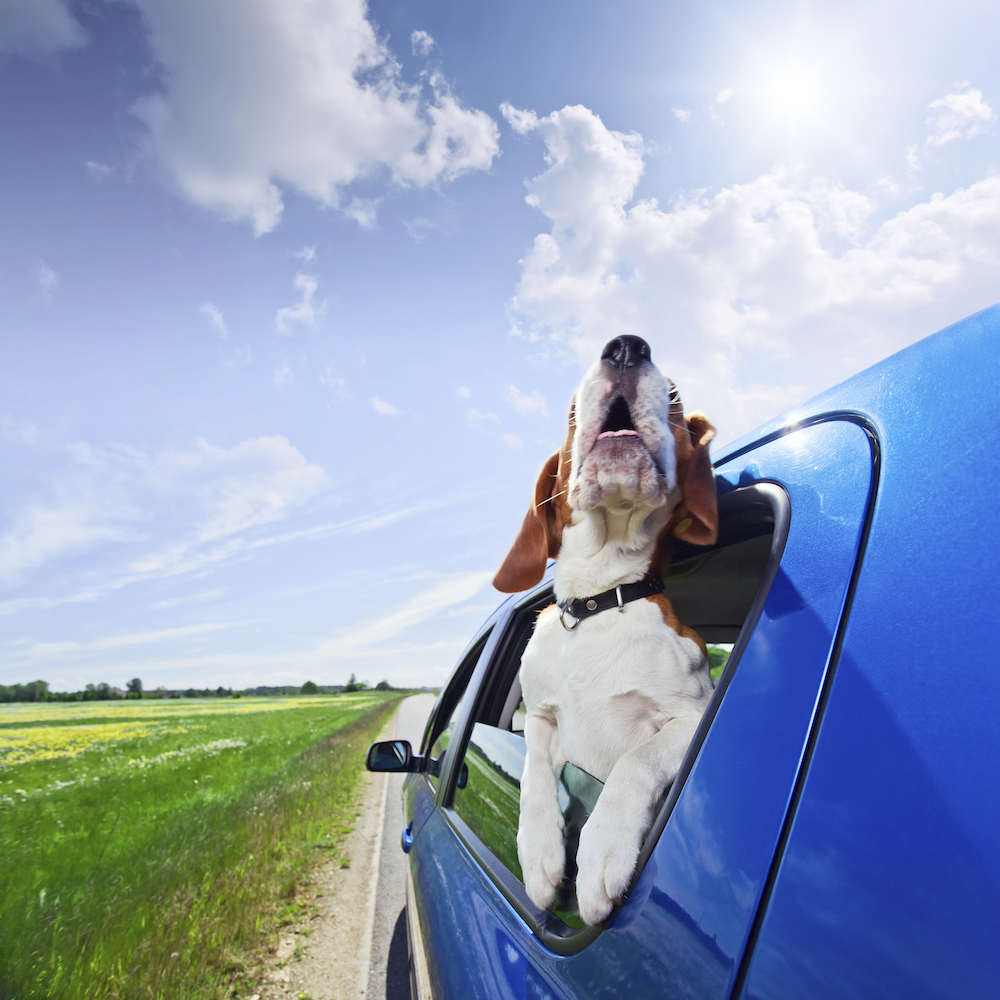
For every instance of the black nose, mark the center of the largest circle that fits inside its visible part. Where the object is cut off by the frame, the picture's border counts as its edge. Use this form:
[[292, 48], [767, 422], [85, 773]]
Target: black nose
[[626, 352]]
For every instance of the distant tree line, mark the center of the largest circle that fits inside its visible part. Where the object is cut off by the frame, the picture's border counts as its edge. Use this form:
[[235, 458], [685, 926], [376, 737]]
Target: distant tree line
[[39, 691]]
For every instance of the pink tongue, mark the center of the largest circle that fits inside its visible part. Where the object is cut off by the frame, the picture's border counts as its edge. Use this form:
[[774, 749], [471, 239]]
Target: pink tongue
[[618, 434]]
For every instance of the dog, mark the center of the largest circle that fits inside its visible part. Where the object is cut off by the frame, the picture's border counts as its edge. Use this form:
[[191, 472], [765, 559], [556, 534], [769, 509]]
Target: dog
[[613, 682]]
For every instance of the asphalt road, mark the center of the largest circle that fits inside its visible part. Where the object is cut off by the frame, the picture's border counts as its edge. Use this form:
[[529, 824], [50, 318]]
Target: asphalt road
[[388, 977]]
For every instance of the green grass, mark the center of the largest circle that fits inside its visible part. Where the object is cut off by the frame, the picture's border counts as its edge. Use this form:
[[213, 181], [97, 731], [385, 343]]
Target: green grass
[[162, 864], [718, 657]]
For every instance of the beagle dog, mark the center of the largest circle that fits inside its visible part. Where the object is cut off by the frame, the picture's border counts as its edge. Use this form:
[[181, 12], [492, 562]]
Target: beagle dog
[[613, 682]]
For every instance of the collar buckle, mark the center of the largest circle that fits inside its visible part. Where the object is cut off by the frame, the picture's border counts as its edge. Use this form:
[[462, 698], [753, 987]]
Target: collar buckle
[[562, 620]]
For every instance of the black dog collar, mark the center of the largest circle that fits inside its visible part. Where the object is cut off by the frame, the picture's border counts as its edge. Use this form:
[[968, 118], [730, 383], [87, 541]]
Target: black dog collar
[[583, 607]]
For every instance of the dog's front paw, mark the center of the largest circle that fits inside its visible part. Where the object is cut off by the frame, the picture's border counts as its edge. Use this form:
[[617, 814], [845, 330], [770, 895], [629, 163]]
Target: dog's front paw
[[542, 855], [606, 862]]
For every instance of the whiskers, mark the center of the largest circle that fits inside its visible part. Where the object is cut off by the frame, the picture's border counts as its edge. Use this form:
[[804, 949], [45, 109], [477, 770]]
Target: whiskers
[[555, 496]]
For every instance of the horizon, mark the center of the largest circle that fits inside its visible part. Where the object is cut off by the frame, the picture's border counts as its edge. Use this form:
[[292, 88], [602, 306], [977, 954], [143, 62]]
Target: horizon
[[295, 296]]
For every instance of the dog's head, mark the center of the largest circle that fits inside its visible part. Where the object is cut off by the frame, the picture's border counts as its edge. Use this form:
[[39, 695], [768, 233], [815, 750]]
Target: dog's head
[[629, 447]]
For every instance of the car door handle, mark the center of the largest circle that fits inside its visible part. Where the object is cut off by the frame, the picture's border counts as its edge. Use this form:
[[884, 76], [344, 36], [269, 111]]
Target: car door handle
[[407, 838]]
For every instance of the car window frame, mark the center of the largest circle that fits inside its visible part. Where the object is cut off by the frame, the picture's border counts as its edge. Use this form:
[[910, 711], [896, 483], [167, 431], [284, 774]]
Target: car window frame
[[548, 928], [493, 629]]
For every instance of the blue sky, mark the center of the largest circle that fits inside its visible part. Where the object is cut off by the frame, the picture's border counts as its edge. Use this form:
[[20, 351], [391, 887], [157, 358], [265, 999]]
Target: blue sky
[[295, 293]]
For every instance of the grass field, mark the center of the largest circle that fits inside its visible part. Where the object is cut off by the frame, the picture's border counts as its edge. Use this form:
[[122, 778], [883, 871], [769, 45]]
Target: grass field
[[152, 848]]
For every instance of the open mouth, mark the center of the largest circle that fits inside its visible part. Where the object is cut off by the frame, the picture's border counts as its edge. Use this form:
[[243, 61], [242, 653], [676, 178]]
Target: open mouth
[[618, 422]]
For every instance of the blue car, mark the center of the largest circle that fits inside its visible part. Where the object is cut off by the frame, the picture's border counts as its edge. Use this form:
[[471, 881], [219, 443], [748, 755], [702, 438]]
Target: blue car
[[834, 831]]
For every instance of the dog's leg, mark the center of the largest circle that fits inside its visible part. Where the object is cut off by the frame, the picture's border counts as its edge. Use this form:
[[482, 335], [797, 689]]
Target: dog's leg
[[540, 827], [612, 837]]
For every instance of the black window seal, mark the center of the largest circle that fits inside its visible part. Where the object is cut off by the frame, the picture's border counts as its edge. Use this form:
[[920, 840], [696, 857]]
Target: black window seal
[[551, 931]]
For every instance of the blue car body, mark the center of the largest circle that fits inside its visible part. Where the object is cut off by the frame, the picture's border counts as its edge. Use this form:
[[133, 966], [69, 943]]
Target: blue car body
[[835, 831]]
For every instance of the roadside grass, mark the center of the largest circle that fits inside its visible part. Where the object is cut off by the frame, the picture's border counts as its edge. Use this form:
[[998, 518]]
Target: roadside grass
[[160, 861]]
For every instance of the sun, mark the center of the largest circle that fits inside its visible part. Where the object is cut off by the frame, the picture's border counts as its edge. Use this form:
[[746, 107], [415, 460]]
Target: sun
[[797, 85], [794, 92]]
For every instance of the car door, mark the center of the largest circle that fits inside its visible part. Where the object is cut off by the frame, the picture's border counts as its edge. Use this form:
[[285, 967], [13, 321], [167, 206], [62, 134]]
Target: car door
[[684, 926]]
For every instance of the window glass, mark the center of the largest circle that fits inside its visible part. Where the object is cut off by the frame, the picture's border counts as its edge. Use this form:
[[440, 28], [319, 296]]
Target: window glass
[[436, 758], [448, 712], [488, 794]]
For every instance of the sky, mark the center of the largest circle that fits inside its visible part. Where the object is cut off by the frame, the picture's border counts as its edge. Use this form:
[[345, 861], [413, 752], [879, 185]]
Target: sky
[[295, 294]]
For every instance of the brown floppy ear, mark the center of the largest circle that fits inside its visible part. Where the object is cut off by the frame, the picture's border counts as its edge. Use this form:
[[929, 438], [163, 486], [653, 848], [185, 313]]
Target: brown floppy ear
[[696, 519], [537, 540]]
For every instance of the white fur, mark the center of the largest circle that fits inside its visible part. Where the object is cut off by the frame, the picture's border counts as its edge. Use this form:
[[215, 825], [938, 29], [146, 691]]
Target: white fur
[[621, 695]]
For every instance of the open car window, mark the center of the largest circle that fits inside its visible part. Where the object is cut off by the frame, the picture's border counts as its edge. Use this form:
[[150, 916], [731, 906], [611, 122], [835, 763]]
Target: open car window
[[717, 591]]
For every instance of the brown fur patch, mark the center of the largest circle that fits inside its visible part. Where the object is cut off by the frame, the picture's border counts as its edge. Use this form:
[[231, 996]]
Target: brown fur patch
[[696, 518], [672, 621], [540, 536]]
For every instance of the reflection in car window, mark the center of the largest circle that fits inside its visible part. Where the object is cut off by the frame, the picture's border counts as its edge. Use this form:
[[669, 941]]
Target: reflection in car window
[[435, 760], [450, 710], [488, 798]]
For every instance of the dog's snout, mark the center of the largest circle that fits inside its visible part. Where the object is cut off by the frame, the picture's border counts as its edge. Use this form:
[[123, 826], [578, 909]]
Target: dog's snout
[[626, 352]]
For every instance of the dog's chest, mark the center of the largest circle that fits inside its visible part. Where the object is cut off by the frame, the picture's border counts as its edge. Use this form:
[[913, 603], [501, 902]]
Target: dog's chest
[[612, 683]]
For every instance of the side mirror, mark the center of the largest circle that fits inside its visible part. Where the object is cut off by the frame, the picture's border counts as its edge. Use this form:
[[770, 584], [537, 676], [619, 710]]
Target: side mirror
[[393, 755]]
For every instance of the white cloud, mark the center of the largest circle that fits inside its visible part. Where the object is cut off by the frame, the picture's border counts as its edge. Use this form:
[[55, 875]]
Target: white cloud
[[959, 116], [42, 652], [74, 520], [98, 171], [419, 227], [283, 375], [724, 95], [512, 441], [332, 380], [257, 482], [267, 94], [38, 27], [521, 122], [421, 43], [448, 596], [199, 496], [524, 404], [463, 393], [306, 254], [233, 356], [381, 406], [19, 431], [229, 354], [681, 114], [363, 211], [752, 297], [452, 590], [203, 597], [46, 281], [215, 319], [304, 311], [481, 421]]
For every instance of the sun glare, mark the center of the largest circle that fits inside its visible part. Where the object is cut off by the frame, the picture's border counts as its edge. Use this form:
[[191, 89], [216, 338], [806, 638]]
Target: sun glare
[[798, 87], [795, 94]]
